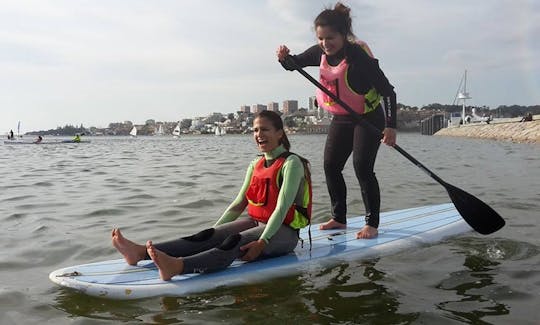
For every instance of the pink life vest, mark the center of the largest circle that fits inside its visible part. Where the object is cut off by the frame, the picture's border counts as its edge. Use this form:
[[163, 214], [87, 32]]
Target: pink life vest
[[335, 80]]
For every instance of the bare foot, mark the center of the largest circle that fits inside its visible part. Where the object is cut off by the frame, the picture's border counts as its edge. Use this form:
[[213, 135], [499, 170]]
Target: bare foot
[[168, 266], [132, 252], [367, 232], [332, 224]]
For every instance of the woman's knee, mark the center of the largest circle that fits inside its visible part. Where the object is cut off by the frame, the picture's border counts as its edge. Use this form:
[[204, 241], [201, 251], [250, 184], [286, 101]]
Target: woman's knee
[[331, 167], [230, 242], [365, 175], [363, 166]]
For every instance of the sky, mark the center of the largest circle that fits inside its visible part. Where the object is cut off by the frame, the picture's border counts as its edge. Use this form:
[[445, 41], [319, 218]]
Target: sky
[[96, 62]]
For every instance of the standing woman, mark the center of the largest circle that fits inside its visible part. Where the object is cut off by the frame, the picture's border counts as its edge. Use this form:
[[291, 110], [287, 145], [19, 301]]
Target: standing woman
[[348, 69], [277, 194]]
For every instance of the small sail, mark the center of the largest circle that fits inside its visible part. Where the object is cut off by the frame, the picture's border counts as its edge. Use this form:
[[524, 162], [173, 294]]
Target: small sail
[[219, 130], [176, 131], [160, 130], [133, 132]]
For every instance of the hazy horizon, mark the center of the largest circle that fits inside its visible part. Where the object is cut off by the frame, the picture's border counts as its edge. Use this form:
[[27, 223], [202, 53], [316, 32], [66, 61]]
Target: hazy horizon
[[72, 62]]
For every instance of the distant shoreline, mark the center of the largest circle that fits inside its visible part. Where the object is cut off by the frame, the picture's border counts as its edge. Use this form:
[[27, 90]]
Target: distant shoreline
[[512, 130]]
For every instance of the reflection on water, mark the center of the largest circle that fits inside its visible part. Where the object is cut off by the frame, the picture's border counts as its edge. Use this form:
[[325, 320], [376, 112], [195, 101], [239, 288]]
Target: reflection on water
[[355, 292], [79, 305], [473, 286], [58, 204], [480, 293]]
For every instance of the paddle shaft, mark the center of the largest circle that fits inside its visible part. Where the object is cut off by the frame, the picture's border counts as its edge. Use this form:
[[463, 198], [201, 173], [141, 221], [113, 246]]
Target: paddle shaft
[[361, 119]]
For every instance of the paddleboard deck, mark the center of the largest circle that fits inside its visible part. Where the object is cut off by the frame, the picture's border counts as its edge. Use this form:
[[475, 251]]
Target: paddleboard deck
[[398, 230]]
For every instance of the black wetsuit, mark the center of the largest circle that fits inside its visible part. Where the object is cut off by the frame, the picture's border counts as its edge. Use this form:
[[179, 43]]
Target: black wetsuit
[[346, 135]]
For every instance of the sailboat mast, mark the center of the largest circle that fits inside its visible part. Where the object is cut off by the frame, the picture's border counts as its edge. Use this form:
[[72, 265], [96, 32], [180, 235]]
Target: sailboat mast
[[464, 97]]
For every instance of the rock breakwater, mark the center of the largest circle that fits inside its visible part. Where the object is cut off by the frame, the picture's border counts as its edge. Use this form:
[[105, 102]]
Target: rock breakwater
[[514, 131]]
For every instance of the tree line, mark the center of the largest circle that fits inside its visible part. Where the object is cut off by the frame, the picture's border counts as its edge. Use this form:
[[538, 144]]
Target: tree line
[[502, 111], [404, 116]]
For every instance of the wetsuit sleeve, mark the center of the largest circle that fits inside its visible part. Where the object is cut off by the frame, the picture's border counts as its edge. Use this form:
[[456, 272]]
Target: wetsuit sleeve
[[310, 57], [240, 203], [293, 173], [383, 86], [364, 74]]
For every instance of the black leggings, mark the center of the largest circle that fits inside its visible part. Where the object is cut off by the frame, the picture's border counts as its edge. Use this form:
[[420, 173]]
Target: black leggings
[[347, 135], [216, 248]]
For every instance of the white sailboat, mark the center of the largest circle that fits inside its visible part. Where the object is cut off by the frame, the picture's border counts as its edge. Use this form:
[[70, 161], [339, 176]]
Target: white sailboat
[[219, 130], [159, 130], [133, 132], [176, 131]]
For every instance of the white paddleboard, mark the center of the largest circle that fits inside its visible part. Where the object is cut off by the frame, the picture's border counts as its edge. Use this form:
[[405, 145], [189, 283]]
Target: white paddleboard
[[398, 230]]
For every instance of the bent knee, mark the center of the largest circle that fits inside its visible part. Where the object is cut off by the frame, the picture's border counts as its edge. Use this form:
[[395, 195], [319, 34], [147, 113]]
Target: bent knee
[[364, 174], [230, 242], [332, 167]]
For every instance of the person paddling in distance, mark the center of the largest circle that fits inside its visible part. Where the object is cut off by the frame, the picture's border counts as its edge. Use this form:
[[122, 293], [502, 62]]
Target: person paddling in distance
[[349, 70], [277, 194]]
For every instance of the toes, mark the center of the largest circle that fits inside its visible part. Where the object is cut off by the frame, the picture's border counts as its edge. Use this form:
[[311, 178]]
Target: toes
[[150, 249]]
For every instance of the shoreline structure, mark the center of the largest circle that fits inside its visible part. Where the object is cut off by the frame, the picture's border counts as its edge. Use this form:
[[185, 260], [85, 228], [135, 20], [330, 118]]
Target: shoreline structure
[[508, 129]]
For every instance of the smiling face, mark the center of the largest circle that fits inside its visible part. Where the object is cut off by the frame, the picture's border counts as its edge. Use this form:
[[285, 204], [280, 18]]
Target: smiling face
[[329, 40], [266, 136]]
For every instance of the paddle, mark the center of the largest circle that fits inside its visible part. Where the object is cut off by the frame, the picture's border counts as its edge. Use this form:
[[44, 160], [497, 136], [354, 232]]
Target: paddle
[[476, 213]]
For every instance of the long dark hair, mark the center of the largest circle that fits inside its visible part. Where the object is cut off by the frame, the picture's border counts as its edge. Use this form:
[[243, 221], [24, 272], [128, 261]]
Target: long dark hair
[[338, 19], [277, 123]]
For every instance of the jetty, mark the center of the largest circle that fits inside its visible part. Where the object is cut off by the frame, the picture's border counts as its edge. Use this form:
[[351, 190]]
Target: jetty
[[504, 129]]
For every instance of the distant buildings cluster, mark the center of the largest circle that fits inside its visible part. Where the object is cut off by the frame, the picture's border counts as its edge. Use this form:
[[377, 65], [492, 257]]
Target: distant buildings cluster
[[289, 107], [296, 119], [312, 119]]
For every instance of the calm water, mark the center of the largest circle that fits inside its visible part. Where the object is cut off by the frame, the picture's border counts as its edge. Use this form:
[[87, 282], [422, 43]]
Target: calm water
[[58, 204]]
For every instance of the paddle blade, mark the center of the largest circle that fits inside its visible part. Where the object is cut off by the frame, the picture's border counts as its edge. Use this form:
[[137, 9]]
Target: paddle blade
[[480, 216]]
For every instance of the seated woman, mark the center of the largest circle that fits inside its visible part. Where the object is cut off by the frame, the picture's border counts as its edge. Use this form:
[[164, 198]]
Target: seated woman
[[277, 193]]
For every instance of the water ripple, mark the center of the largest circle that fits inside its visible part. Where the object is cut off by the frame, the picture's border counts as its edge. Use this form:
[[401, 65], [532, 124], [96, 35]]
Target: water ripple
[[59, 203], [106, 212]]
